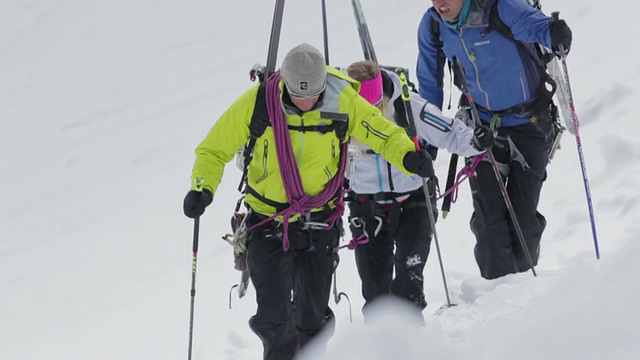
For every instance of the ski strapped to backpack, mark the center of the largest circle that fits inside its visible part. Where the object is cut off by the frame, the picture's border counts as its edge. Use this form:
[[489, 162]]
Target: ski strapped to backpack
[[363, 32]]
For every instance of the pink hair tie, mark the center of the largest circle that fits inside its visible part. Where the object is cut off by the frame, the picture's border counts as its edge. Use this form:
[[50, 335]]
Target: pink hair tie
[[372, 89]]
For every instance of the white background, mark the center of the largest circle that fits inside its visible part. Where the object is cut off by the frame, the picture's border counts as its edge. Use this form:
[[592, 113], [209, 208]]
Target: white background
[[102, 104]]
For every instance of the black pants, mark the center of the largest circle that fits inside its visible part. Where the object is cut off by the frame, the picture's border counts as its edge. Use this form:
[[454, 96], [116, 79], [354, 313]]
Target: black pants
[[406, 226], [498, 251], [292, 287]]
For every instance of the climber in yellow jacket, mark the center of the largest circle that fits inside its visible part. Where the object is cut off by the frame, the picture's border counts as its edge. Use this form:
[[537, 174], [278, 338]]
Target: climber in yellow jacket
[[321, 109]]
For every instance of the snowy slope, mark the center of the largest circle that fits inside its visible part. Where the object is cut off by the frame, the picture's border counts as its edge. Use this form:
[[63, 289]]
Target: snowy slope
[[102, 104]]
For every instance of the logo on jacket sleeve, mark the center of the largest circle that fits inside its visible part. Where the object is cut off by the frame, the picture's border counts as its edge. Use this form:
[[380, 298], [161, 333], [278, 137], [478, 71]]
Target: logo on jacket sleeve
[[436, 122]]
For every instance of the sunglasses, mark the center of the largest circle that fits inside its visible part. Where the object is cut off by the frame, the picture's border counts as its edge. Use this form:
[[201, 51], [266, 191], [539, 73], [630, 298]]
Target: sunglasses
[[305, 97]]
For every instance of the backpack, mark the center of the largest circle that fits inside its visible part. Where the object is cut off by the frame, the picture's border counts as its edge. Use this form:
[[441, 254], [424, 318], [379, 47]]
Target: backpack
[[543, 61], [539, 59], [400, 113], [260, 121]]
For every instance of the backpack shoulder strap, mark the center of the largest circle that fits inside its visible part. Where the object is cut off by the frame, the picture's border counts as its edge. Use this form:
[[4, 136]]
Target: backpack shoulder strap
[[257, 126], [435, 36], [440, 56], [260, 116], [495, 23], [400, 112], [538, 59]]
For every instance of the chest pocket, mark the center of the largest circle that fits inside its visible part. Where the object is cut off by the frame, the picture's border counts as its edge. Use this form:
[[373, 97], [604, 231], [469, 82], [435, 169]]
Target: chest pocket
[[319, 145]]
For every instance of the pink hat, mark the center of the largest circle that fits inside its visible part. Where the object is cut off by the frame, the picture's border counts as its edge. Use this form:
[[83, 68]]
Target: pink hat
[[372, 89]]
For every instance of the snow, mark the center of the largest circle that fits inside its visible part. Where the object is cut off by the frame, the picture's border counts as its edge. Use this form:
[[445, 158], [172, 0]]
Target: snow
[[101, 106]]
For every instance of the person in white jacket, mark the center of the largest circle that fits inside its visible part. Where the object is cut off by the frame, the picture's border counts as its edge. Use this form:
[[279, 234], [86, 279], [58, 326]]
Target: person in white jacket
[[386, 205]]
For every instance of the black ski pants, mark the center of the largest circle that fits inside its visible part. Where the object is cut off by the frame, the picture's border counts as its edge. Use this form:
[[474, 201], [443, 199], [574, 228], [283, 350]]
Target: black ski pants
[[404, 226], [498, 251], [292, 287]]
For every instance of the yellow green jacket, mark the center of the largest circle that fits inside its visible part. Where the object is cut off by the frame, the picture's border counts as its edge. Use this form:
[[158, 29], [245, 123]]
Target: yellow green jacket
[[317, 155]]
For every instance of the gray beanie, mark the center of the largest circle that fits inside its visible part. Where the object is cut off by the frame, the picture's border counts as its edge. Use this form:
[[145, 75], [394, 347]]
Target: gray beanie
[[303, 71]]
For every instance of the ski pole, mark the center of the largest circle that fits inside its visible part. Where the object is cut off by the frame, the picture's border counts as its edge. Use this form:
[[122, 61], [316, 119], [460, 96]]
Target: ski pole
[[461, 83], [451, 175], [413, 134], [196, 230], [574, 119]]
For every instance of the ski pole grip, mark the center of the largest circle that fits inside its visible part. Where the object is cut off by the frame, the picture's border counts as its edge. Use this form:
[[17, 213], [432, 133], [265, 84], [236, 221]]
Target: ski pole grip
[[556, 16]]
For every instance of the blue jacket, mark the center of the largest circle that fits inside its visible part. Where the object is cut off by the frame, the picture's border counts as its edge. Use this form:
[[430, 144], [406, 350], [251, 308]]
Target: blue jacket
[[498, 73]]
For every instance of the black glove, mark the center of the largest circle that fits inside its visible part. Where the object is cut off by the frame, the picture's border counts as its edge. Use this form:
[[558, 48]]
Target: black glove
[[419, 162], [483, 138], [195, 202], [560, 35]]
